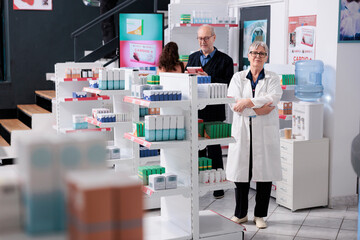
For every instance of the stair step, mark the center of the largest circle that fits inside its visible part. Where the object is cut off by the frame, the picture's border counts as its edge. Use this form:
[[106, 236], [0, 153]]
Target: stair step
[[48, 94], [13, 124], [3, 142], [31, 109]]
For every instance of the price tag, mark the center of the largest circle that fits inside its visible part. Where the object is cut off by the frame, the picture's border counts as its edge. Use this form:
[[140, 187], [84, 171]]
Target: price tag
[[100, 98], [75, 99]]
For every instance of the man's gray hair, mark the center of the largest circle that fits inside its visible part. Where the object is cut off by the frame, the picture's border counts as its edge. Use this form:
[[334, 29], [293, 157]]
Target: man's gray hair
[[257, 44], [208, 26]]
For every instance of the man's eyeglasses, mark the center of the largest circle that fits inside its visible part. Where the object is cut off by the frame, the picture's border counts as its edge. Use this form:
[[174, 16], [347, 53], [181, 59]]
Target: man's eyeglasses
[[260, 54], [205, 39]]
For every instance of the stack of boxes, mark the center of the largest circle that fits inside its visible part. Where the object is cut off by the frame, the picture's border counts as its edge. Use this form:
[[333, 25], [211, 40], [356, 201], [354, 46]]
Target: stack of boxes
[[145, 171], [214, 129], [212, 90], [162, 95], [164, 128], [184, 58], [81, 73], [153, 79], [185, 18], [104, 205], [112, 79], [285, 108], [43, 163], [288, 79], [144, 152], [79, 94], [79, 121], [137, 90], [139, 129], [203, 79], [205, 164]]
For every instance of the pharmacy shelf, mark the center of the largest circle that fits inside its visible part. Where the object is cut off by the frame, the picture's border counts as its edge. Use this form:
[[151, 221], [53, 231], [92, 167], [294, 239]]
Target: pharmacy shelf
[[53, 78], [106, 92], [202, 103], [67, 130], [204, 188], [122, 160], [157, 145], [95, 122], [285, 117], [18, 235], [146, 160], [213, 224], [156, 228], [185, 104], [227, 25], [99, 98], [203, 142], [180, 190], [288, 87]]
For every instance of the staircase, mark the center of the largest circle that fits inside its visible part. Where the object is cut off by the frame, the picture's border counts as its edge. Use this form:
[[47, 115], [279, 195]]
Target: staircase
[[29, 116]]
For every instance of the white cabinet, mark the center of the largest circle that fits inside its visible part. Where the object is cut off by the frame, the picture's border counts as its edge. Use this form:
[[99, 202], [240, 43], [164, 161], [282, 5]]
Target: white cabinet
[[305, 170]]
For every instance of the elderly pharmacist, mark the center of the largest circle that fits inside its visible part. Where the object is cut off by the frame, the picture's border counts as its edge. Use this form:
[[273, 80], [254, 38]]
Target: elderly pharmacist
[[220, 67], [256, 153]]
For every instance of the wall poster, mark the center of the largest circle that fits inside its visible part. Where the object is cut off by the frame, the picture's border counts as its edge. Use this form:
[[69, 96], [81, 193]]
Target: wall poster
[[349, 21], [301, 38], [141, 39], [254, 30], [32, 5]]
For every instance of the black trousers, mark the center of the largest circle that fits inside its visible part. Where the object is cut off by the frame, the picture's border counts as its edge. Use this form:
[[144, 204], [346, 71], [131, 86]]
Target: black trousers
[[263, 190], [107, 25]]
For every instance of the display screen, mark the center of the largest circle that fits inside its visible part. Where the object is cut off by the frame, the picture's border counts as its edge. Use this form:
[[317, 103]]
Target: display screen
[[141, 39]]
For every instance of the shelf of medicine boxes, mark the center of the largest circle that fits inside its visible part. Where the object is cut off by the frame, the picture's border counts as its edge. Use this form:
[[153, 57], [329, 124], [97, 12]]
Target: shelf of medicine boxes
[[180, 190], [106, 92], [185, 104], [98, 98], [157, 145], [204, 188], [53, 78], [203, 142], [69, 130], [95, 122], [211, 24], [203, 102], [285, 117]]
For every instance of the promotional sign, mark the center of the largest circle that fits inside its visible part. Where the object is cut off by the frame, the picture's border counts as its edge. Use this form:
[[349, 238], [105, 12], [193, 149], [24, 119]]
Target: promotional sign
[[141, 39], [302, 35], [253, 31], [32, 5]]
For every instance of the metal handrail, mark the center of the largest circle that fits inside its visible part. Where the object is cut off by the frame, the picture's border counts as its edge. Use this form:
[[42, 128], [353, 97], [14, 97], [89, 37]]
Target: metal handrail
[[97, 20], [109, 13]]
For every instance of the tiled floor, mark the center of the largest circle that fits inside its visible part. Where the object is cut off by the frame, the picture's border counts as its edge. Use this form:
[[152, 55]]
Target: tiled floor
[[310, 224]]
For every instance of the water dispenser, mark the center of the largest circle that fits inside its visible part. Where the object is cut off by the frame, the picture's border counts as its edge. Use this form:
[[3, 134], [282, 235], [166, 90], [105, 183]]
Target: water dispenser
[[308, 76]]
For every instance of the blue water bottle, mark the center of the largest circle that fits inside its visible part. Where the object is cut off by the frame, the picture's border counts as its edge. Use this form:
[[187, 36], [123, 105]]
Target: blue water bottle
[[308, 76]]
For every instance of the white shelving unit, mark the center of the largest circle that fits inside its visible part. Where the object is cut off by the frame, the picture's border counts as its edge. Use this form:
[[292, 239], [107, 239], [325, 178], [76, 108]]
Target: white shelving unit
[[185, 34], [66, 106], [181, 217]]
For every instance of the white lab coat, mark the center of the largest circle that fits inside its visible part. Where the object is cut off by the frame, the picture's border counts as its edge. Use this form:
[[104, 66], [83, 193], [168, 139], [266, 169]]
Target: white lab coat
[[266, 165]]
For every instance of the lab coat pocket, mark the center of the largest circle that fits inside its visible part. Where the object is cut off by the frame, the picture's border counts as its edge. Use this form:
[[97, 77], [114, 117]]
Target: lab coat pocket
[[270, 134]]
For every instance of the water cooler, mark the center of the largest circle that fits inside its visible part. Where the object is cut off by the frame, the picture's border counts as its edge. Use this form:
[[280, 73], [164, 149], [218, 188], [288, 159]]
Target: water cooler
[[307, 120], [308, 114]]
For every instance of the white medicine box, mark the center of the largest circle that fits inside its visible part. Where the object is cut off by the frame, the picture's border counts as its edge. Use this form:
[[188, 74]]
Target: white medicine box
[[170, 180], [157, 182]]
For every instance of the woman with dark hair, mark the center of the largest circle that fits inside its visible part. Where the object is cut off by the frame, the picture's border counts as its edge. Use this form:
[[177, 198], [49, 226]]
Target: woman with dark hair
[[169, 59]]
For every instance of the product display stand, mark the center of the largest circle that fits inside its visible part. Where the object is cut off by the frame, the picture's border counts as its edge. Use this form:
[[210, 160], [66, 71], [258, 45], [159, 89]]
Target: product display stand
[[181, 217], [185, 34]]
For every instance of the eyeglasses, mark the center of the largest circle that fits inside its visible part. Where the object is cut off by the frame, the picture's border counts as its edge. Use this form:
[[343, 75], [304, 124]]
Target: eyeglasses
[[260, 54], [205, 39]]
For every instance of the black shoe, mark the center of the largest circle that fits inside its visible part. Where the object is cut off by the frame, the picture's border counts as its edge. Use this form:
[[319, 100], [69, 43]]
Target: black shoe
[[218, 194]]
